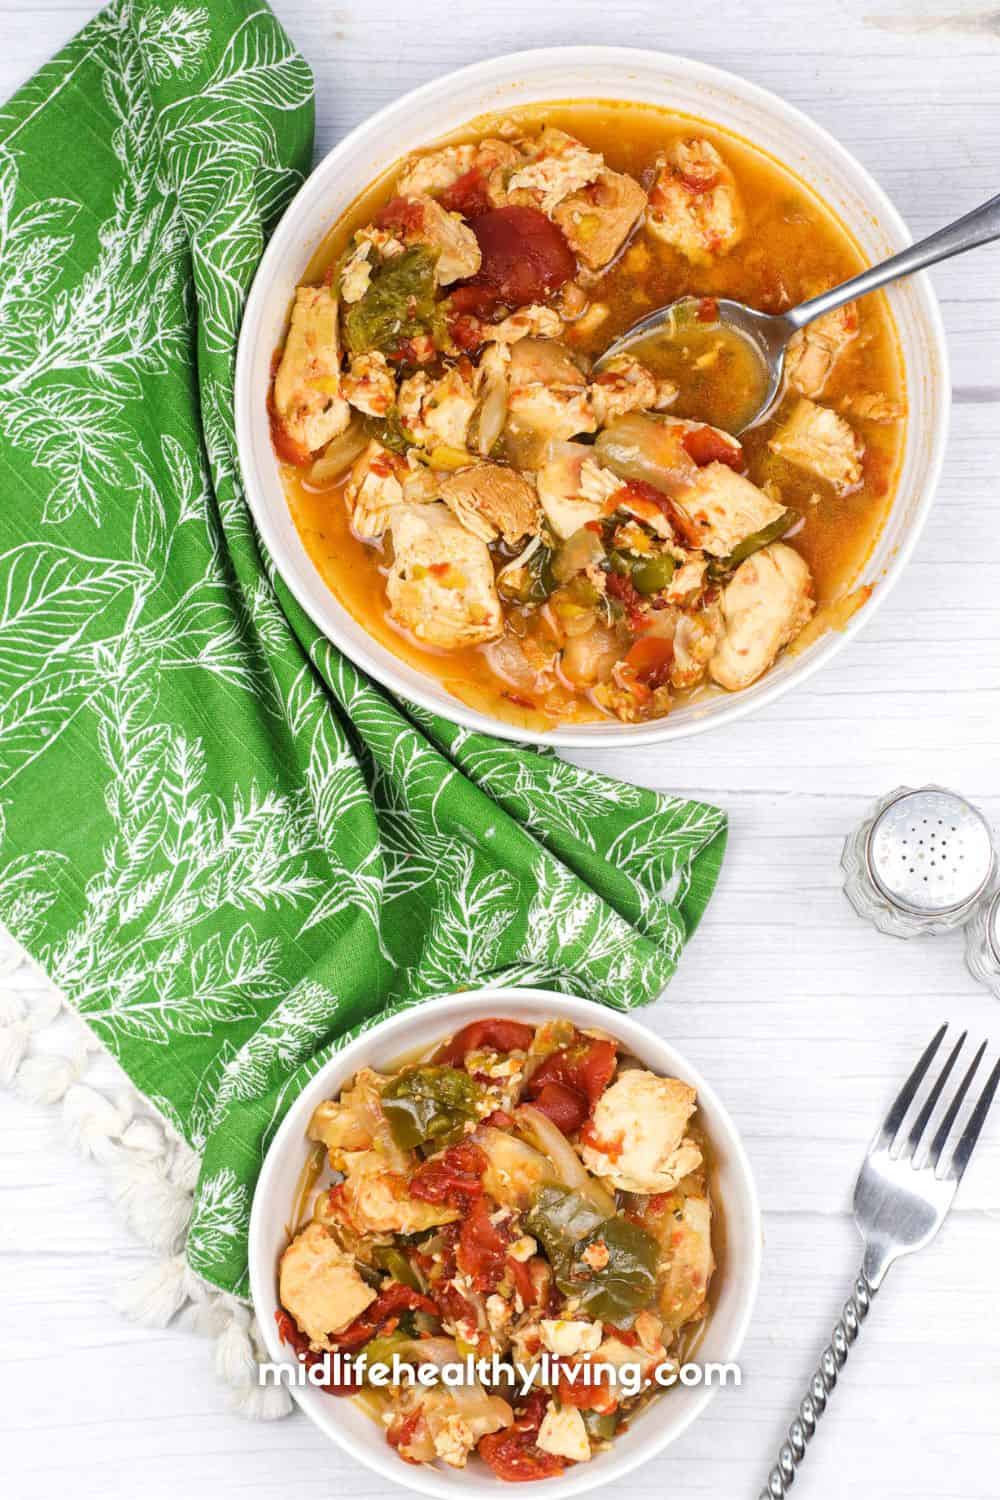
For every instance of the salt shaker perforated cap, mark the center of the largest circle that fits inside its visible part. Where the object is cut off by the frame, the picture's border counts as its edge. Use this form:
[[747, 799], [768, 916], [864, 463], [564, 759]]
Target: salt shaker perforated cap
[[920, 862]]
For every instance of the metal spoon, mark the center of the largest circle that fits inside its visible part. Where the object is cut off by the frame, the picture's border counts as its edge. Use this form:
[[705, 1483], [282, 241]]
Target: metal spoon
[[769, 334]]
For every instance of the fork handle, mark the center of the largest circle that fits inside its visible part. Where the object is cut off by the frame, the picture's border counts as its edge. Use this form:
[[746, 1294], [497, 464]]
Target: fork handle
[[814, 1403]]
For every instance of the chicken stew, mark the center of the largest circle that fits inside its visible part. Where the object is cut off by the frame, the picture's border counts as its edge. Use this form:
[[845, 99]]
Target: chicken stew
[[552, 542], [531, 1196]]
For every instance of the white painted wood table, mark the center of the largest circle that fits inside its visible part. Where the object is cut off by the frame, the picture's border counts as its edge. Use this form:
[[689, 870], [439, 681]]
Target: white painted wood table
[[804, 1017]]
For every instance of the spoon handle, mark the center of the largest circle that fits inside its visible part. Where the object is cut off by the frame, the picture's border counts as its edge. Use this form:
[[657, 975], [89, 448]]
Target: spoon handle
[[976, 228]]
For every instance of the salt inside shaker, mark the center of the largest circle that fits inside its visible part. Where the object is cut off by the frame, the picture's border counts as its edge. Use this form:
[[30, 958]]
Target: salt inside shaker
[[982, 944], [920, 862]]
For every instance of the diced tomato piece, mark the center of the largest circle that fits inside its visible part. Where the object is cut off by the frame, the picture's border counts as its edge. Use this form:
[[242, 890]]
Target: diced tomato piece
[[482, 1249], [708, 310], [492, 1035], [623, 1335], [468, 195], [401, 216], [589, 1395], [466, 331], [650, 659], [624, 590], [706, 446], [473, 298], [522, 1280], [513, 1454], [387, 1307], [564, 1106], [640, 489], [402, 1432], [568, 1083], [454, 1177], [586, 1065], [289, 1333], [525, 257]]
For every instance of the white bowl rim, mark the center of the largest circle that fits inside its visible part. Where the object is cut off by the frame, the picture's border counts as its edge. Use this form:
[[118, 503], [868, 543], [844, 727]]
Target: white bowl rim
[[507, 1001], [593, 735]]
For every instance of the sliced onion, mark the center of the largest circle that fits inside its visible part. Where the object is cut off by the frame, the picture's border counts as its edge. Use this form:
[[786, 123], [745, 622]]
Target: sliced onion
[[548, 1138], [492, 417], [339, 454], [639, 447], [576, 554], [515, 1169]]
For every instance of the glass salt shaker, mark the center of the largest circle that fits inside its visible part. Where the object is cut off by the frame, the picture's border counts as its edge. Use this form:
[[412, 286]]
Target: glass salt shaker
[[982, 944], [920, 862]]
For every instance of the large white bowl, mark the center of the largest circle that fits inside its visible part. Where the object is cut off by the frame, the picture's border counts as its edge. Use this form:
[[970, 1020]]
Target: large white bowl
[[587, 73], [732, 1185]]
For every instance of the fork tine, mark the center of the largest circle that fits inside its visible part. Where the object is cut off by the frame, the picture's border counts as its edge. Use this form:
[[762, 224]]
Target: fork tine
[[944, 1129], [920, 1123], [904, 1098], [974, 1125]]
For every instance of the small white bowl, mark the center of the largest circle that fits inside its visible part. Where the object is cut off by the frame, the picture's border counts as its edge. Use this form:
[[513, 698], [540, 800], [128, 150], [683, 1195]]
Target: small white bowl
[[735, 1289], [566, 73]]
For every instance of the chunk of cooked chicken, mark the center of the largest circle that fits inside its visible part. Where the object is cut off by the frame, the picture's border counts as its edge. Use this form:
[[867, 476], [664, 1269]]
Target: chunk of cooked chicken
[[874, 406], [357, 272], [547, 399], [636, 1137], [563, 1433], [319, 1285], [687, 582], [374, 490], [765, 604], [599, 218], [534, 321], [420, 220], [695, 639], [369, 385], [814, 351], [694, 205], [559, 165], [438, 170], [382, 240], [538, 415], [375, 1198], [307, 395], [572, 488], [441, 585], [492, 500], [458, 249], [818, 439], [438, 411], [568, 1336], [681, 1223], [720, 509], [626, 385]]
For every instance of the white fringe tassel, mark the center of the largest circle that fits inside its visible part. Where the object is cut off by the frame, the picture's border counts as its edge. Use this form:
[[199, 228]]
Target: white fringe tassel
[[48, 1056]]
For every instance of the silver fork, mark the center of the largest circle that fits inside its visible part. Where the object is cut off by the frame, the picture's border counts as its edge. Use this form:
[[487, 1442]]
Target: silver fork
[[899, 1206]]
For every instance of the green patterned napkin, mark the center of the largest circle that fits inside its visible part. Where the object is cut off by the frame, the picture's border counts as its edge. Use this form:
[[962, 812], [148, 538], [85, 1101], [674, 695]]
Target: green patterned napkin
[[226, 847]]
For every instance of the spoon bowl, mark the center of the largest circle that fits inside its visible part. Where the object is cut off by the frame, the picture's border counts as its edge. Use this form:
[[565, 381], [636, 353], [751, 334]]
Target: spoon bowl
[[769, 334]]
